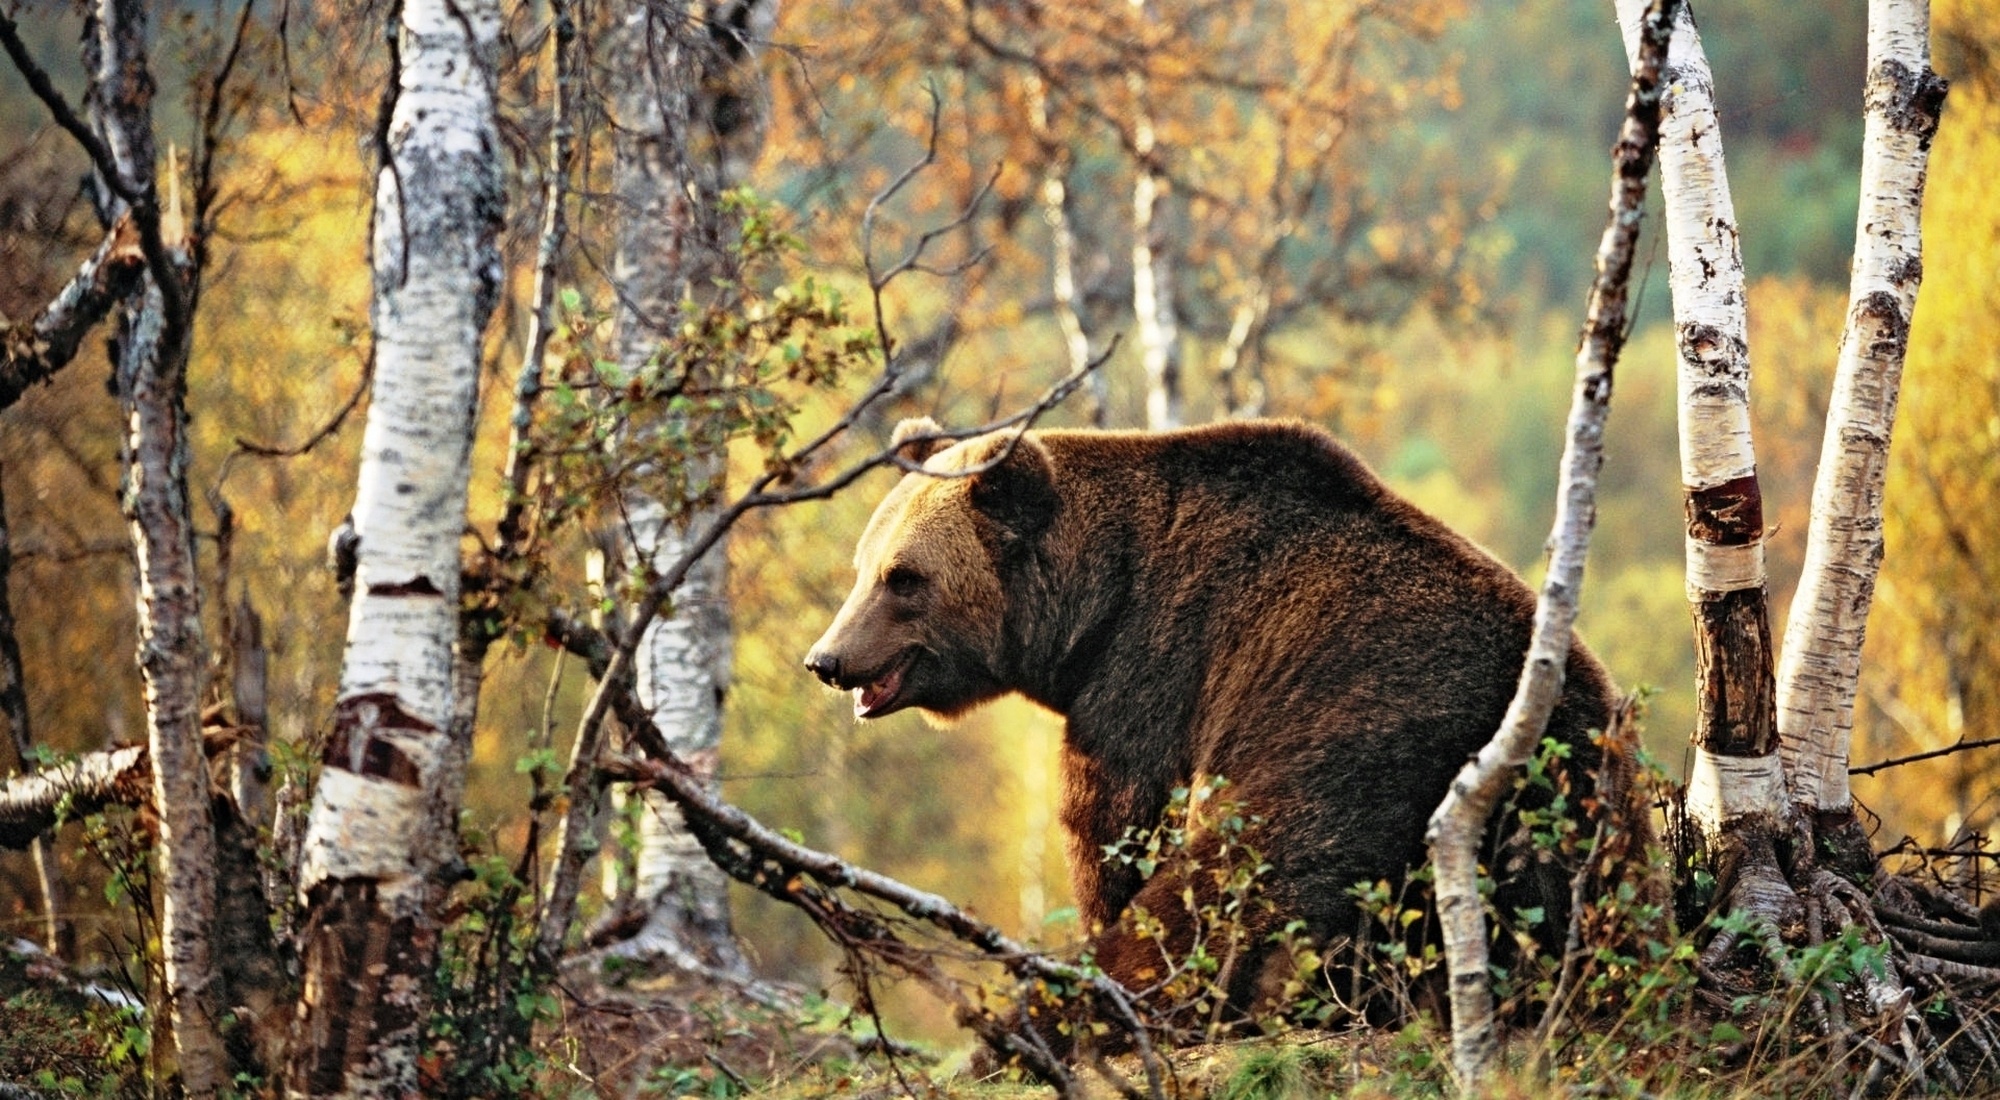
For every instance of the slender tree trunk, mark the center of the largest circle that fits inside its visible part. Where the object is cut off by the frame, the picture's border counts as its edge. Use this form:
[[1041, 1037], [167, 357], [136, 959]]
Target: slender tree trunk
[[249, 686], [1242, 391], [482, 620], [1152, 264], [1736, 788], [380, 837], [689, 124], [1822, 654], [1460, 821], [14, 709], [150, 363], [1062, 250]]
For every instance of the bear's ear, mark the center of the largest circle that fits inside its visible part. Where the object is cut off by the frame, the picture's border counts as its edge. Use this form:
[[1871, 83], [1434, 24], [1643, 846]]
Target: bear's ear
[[916, 439], [1019, 491]]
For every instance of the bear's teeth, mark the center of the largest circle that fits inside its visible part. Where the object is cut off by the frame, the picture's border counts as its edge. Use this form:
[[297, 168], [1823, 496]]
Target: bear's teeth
[[870, 696]]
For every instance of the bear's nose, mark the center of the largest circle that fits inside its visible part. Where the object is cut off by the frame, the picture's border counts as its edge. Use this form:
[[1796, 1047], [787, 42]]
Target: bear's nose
[[825, 666]]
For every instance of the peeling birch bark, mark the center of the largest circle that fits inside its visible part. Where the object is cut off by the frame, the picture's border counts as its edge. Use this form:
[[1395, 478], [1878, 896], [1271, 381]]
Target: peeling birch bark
[[373, 844], [1735, 709], [1829, 616], [1152, 266], [1460, 820]]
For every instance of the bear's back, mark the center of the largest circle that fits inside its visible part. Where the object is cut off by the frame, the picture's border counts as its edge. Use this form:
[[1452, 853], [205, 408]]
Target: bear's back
[[1341, 651]]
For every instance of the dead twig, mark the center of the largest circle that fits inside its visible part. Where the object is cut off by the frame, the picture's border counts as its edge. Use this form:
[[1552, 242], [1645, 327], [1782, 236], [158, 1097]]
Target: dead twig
[[1931, 754]]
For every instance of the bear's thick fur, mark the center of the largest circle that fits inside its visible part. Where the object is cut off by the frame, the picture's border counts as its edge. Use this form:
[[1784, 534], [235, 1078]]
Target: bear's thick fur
[[1245, 600]]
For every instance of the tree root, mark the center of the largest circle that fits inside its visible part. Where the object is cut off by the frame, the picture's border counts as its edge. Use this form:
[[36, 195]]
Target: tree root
[[1911, 1008]]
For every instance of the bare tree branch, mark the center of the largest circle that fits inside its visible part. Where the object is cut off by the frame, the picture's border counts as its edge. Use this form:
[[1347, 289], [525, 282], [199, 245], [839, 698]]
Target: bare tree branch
[[33, 351], [202, 171], [1948, 750], [141, 194], [325, 431]]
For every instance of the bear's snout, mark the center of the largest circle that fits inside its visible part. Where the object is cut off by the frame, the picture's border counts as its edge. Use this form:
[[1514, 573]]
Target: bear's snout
[[825, 666]]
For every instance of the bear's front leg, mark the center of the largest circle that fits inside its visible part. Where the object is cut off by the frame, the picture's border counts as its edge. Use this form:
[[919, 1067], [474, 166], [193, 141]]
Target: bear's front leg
[[1101, 806], [1195, 956]]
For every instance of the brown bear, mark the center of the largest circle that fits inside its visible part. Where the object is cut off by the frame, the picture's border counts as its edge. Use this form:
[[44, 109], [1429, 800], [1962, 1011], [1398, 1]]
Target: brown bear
[[1245, 600]]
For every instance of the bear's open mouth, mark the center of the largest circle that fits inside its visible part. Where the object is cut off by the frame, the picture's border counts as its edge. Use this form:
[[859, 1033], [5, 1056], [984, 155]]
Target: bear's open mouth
[[879, 697]]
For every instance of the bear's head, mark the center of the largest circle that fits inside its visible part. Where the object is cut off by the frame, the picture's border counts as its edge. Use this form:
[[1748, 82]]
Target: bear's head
[[927, 623]]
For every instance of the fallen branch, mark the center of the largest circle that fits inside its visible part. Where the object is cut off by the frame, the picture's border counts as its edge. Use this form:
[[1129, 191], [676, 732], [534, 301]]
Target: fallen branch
[[809, 879], [32, 804]]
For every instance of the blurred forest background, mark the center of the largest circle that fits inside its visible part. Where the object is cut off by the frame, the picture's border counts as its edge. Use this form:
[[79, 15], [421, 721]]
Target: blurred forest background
[[1423, 297]]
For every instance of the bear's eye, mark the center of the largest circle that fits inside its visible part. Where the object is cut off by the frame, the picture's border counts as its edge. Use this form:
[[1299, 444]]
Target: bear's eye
[[905, 581]]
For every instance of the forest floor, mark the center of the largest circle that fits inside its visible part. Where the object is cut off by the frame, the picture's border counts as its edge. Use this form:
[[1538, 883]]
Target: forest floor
[[668, 1037]]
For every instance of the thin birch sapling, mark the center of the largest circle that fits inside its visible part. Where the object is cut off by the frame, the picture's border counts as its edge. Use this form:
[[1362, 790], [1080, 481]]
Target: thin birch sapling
[[1460, 821]]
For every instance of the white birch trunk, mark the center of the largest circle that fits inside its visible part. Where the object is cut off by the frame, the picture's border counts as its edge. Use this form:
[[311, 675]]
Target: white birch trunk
[[1822, 654], [1459, 822], [1736, 767], [373, 845], [1152, 266], [150, 353], [1243, 395], [678, 151], [681, 675], [1062, 251]]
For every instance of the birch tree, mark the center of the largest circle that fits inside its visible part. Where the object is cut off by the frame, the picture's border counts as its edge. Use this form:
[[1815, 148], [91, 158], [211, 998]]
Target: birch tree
[[1735, 785], [214, 948], [374, 855], [687, 101], [149, 353], [1460, 821], [1057, 161], [1152, 261], [1822, 653]]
